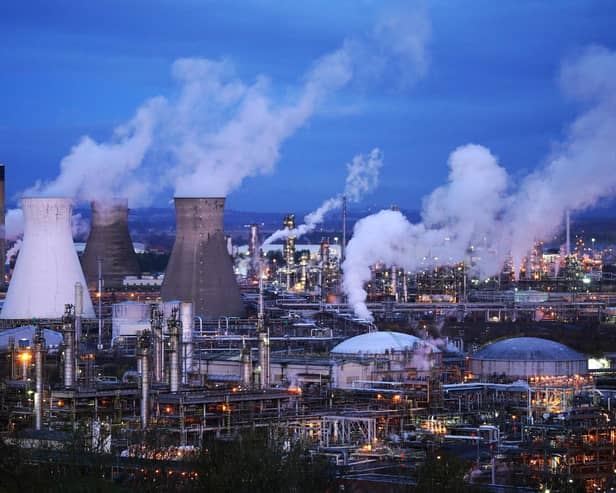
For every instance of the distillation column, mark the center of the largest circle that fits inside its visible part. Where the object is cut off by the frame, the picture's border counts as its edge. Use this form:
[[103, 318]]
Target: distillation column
[[39, 353], [68, 331], [143, 353]]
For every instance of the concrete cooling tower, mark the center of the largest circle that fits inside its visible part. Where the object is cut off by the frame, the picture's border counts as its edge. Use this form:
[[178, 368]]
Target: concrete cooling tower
[[200, 269], [109, 240], [47, 267]]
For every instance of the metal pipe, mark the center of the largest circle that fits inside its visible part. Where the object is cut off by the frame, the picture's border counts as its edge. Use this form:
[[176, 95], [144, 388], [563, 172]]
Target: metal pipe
[[156, 326], [69, 347], [143, 352], [264, 359], [39, 352], [174, 339], [100, 302], [78, 314], [246, 357], [187, 320]]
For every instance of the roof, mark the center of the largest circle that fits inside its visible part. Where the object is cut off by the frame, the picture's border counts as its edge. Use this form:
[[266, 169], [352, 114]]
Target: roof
[[527, 349], [379, 342]]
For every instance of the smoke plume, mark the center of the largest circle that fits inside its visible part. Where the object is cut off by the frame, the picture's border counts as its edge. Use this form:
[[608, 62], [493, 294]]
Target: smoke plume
[[480, 211], [362, 177], [219, 129]]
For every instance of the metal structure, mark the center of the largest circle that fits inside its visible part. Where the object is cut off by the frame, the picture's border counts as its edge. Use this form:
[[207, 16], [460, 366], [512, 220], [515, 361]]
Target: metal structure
[[200, 270], [110, 240], [187, 319], [39, 361], [47, 267], [144, 344], [68, 331], [2, 224], [174, 328]]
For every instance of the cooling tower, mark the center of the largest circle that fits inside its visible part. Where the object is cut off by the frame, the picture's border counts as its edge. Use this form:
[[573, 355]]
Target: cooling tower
[[200, 269], [109, 240], [47, 267]]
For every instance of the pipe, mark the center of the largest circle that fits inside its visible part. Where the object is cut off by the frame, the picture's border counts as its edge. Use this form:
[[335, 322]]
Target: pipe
[[264, 359], [39, 351], [174, 338], [69, 347], [246, 364], [78, 314], [100, 301], [143, 353], [187, 320], [156, 326]]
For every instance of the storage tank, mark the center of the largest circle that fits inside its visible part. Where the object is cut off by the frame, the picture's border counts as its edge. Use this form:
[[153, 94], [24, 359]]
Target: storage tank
[[524, 357], [109, 240], [47, 267], [200, 269]]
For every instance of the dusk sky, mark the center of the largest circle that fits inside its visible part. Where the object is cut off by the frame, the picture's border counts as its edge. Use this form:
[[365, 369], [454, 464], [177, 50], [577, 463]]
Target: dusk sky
[[490, 77]]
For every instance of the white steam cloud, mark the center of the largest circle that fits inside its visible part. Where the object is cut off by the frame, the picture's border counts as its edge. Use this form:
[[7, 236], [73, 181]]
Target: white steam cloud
[[478, 206], [220, 129], [362, 177]]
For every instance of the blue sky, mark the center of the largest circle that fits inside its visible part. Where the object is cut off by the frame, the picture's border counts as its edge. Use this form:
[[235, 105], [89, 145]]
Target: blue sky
[[71, 68]]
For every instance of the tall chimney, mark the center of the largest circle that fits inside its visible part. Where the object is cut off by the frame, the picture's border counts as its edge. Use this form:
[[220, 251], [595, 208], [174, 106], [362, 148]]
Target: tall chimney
[[47, 267], [200, 269], [2, 225], [110, 240], [186, 316]]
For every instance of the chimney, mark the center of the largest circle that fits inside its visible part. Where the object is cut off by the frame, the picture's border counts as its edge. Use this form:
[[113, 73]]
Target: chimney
[[2, 225], [144, 342], [47, 267], [110, 240], [200, 270]]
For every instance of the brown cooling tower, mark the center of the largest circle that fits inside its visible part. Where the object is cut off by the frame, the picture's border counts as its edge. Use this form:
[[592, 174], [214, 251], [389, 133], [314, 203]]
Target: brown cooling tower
[[200, 269], [110, 240]]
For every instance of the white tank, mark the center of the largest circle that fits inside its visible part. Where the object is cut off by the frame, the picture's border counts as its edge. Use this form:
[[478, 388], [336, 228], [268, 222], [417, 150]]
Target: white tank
[[47, 267]]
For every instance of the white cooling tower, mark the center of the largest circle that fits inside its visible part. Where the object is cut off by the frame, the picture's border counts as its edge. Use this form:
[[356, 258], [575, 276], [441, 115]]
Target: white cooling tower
[[47, 267]]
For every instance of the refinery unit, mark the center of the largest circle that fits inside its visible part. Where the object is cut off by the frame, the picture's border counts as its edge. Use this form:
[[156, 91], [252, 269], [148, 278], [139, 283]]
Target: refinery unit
[[235, 339]]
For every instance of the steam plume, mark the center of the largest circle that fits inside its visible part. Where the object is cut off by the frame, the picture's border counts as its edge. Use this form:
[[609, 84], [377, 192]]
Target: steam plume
[[476, 206], [362, 177], [220, 129]]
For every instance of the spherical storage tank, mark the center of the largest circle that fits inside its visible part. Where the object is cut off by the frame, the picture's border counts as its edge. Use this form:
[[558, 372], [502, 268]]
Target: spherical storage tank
[[523, 357], [372, 344]]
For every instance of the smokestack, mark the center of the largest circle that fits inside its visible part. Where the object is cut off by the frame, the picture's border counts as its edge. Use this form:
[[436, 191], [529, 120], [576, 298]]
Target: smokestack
[[2, 225], [110, 240], [186, 317], [47, 267], [344, 227], [200, 270], [143, 353], [39, 353], [568, 240], [68, 331]]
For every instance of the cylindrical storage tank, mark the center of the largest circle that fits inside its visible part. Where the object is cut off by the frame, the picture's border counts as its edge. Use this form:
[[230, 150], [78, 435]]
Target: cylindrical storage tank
[[109, 240], [200, 269], [524, 357], [47, 267]]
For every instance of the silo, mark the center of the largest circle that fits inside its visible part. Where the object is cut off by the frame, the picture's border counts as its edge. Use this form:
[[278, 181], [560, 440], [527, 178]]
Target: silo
[[200, 269], [109, 240], [47, 267]]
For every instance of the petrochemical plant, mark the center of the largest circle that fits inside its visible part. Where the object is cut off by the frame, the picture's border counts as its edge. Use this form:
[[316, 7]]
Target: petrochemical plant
[[234, 338]]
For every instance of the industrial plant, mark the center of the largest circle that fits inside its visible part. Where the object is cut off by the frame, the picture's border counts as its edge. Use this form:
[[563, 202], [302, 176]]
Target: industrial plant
[[148, 368]]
